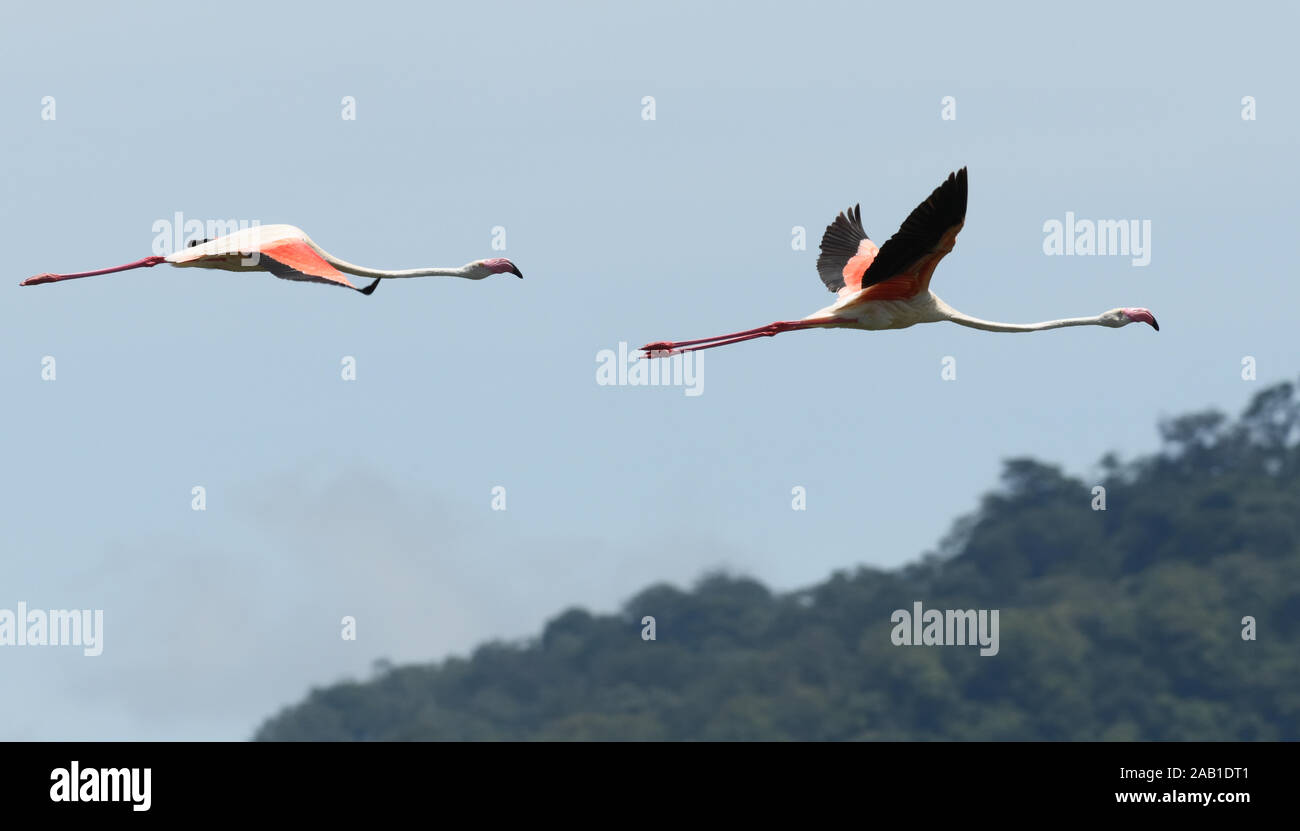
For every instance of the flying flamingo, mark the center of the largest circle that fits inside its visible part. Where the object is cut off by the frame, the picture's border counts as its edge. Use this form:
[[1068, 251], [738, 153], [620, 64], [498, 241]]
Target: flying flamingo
[[888, 287], [286, 252]]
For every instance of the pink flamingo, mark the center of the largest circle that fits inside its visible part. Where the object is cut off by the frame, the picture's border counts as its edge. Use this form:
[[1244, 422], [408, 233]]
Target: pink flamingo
[[288, 253], [888, 287]]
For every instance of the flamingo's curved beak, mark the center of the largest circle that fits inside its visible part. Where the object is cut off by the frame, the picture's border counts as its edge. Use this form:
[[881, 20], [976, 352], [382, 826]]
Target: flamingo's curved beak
[[514, 269], [1142, 316]]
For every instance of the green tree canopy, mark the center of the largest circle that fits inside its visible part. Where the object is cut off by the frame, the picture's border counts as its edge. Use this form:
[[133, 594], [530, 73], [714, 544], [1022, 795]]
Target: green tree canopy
[[1122, 624]]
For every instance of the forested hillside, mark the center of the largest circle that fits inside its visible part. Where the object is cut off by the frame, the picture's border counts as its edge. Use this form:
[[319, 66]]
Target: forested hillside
[[1118, 624]]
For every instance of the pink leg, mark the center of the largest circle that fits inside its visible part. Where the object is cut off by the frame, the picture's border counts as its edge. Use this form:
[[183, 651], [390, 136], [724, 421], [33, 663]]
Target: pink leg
[[725, 342], [661, 349], [147, 262], [760, 330]]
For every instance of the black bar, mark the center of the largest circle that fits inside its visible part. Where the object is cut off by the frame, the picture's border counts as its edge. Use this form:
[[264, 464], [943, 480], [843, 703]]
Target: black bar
[[247, 780]]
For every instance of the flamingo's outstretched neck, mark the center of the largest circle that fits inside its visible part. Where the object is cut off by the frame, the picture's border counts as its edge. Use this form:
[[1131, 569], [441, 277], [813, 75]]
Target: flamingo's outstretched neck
[[664, 348], [147, 262], [382, 274]]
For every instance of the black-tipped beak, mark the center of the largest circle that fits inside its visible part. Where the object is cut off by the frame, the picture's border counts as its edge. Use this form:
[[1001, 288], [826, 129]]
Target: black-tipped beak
[[1142, 316], [515, 271]]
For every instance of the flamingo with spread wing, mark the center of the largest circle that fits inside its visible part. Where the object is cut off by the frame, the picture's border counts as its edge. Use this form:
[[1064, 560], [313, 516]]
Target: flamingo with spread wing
[[888, 287]]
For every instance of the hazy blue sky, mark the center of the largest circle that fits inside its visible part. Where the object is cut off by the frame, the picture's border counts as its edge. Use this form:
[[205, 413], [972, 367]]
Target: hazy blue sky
[[372, 498]]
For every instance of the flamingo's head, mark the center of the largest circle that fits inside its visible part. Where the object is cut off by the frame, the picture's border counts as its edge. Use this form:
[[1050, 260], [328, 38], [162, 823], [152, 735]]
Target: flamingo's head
[[496, 265], [1123, 317]]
